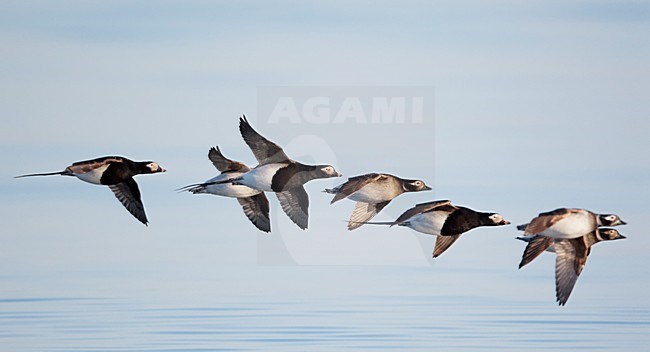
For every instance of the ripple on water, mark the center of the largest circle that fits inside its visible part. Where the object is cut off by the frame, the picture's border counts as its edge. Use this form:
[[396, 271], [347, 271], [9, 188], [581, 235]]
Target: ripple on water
[[380, 323]]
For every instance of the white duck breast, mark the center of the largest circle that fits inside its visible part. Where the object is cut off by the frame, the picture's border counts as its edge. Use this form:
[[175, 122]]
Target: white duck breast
[[430, 223], [227, 189], [93, 176], [375, 192], [574, 225], [117, 173], [260, 178]]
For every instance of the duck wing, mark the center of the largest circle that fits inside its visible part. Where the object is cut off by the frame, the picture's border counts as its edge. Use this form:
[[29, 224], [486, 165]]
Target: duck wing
[[443, 243], [545, 220], [82, 167], [265, 151], [536, 246], [128, 194], [256, 209], [224, 164], [354, 184], [424, 208], [295, 203], [569, 262], [364, 212]]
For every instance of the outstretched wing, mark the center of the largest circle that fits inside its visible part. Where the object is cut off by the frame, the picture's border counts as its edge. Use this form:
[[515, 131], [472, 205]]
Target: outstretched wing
[[571, 258], [256, 209], [354, 184], [295, 203], [536, 246], [364, 212], [443, 243], [128, 194], [265, 151], [224, 164]]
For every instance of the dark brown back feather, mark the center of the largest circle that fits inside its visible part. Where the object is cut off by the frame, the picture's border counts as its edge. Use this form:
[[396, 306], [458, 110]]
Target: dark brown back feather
[[442, 205]]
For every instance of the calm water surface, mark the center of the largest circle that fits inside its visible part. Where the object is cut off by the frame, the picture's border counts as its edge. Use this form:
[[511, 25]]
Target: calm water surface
[[347, 323]]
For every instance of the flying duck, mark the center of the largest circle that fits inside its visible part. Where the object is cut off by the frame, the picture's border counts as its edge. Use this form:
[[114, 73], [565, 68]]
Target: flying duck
[[277, 173], [254, 202], [117, 173], [569, 223], [444, 220], [571, 256], [372, 192], [561, 223]]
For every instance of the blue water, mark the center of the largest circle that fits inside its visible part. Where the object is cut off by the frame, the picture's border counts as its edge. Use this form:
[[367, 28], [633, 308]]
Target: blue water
[[342, 323], [179, 290]]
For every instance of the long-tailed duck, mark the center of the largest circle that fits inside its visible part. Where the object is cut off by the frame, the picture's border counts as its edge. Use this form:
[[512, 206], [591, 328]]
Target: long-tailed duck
[[373, 192], [117, 173], [444, 220], [253, 202], [561, 223], [277, 173]]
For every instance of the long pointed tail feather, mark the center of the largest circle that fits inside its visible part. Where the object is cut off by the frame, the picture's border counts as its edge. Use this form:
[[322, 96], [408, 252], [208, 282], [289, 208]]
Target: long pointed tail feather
[[205, 184], [187, 188], [64, 173], [391, 223]]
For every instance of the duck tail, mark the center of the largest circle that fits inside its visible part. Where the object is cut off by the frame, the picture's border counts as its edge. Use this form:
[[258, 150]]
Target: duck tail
[[391, 223], [194, 188], [62, 173]]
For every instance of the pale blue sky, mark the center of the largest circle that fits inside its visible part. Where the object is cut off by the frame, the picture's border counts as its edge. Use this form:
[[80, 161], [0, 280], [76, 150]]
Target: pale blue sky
[[537, 106]]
